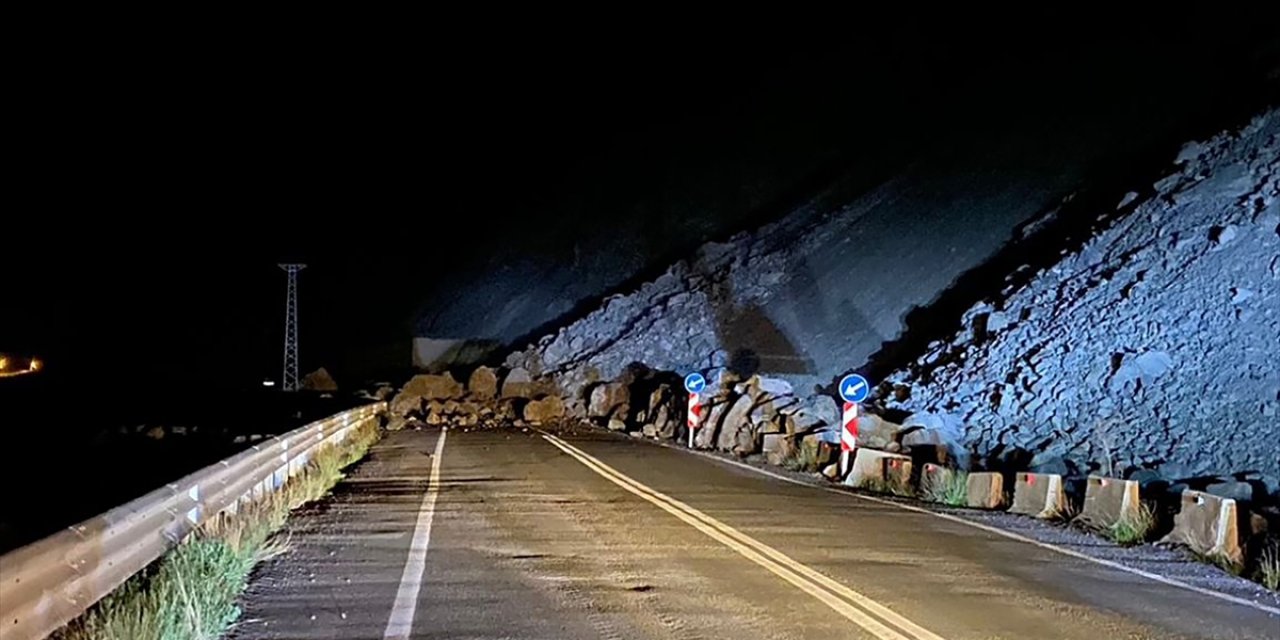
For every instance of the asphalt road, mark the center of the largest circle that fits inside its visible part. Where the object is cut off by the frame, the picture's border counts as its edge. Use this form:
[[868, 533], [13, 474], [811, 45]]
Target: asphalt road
[[589, 535]]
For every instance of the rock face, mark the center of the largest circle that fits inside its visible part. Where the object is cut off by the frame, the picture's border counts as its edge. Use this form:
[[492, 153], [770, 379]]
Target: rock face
[[1152, 340], [1155, 342], [483, 383], [433, 387], [319, 380]]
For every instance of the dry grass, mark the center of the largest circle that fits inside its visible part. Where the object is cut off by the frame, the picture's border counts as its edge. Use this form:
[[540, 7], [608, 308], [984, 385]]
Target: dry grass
[[1132, 530], [803, 458], [953, 491], [887, 485], [1217, 559], [191, 592], [1268, 572], [1065, 513]]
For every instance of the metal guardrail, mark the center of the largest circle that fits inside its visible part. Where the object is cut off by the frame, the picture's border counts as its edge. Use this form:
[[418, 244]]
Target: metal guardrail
[[50, 582]]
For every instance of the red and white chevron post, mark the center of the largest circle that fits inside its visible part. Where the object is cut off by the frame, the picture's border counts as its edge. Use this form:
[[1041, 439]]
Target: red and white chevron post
[[848, 436], [695, 410]]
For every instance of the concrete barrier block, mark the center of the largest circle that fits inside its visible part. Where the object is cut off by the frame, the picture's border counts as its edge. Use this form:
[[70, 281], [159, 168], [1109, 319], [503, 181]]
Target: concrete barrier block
[[1110, 500], [1208, 525], [985, 490], [1039, 494], [872, 468]]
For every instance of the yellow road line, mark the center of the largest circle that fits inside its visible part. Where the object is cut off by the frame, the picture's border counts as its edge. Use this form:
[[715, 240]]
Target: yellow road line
[[855, 606]]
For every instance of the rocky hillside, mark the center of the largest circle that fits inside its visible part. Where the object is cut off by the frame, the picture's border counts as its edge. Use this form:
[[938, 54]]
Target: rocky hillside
[[1153, 343], [1156, 344]]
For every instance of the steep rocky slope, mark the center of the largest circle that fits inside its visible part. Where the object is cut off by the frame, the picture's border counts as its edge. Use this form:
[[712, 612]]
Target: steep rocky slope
[[1158, 342], [1152, 343]]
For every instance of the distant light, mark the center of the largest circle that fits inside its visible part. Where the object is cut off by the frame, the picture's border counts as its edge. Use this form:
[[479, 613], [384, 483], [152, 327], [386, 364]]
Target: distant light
[[268, 383], [35, 364], [4, 363]]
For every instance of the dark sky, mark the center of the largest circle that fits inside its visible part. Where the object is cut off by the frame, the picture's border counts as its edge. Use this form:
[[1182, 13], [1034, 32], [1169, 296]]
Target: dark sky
[[159, 180]]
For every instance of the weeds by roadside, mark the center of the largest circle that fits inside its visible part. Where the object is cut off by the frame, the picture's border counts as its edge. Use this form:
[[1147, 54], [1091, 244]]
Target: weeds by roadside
[[1133, 529], [1268, 572], [890, 486], [191, 592], [1065, 513], [953, 490], [803, 459]]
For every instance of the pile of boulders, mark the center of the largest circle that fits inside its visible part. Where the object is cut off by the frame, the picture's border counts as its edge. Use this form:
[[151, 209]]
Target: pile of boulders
[[753, 417], [489, 399]]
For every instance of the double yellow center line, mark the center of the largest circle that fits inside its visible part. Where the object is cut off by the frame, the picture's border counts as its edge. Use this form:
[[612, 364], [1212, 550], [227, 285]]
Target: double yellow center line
[[873, 617]]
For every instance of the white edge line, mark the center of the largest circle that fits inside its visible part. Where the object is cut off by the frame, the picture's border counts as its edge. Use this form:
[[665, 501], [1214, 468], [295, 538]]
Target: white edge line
[[990, 529], [400, 624]]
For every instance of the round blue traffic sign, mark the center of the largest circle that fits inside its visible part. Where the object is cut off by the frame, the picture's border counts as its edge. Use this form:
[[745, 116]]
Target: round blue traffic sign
[[854, 388], [695, 383]]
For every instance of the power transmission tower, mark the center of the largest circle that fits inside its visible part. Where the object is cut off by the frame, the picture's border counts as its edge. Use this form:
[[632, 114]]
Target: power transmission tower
[[289, 381]]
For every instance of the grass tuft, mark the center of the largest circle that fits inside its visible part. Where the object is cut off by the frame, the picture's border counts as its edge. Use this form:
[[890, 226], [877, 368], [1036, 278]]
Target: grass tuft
[[803, 458], [953, 491], [190, 593], [1132, 530], [1269, 566]]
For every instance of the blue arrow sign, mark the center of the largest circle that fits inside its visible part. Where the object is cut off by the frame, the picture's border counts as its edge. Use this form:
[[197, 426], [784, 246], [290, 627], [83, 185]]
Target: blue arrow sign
[[854, 388], [695, 383]]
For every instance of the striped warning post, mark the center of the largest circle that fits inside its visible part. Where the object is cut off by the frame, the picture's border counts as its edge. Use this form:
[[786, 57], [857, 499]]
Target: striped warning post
[[695, 410], [848, 436]]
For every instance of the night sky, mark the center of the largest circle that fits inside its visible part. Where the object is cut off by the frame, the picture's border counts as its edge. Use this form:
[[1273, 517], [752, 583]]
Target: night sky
[[160, 183]]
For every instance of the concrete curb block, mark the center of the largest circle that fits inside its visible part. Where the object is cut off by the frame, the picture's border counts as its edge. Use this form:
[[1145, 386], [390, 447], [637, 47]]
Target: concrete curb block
[[985, 490], [1038, 494], [871, 467], [1108, 501], [1208, 525]]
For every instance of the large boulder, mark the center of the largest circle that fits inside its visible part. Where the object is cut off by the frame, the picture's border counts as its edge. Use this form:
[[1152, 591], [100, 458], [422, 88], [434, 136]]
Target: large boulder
[[518, 384], [764, 388], [814, 412], [1238, 491], [942, 431], [662, 411], [405, 403], [875, 432], [608, 400], [712, 415], [548, 409], [737, 419], [745, 443], [319, 380], [483, 383], [433, 387], [778, 448]]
